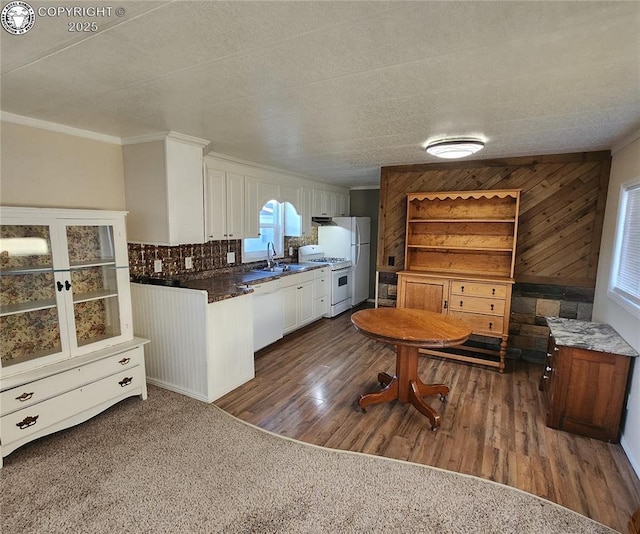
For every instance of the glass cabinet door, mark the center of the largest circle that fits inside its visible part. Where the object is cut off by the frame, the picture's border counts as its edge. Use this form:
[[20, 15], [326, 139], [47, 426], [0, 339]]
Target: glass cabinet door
[[95, 284], [30, 322]]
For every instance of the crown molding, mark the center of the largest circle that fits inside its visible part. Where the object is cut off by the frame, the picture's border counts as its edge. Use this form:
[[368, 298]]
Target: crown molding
[[627, 140], [59, 128], [161, 136]]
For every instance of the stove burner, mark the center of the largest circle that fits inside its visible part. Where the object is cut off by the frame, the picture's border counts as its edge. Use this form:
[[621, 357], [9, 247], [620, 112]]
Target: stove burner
[[329, 260]]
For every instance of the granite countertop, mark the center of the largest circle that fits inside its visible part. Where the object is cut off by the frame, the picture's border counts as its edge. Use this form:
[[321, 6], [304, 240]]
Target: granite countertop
[[229, 285], [599, 337]]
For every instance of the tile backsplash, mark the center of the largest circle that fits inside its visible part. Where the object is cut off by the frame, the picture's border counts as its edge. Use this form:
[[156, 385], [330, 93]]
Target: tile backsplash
[[205, 258]]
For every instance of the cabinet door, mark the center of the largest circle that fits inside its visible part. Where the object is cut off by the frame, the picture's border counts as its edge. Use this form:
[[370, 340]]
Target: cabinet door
[[423, 293], [32, 319], [305, 299], [96, 286], [235, 206], [306, 210], [289, 308], [216, 205], [342, 205]]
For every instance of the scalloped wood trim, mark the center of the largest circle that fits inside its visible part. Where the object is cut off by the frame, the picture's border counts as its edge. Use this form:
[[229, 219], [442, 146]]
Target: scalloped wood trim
[[487, 193]]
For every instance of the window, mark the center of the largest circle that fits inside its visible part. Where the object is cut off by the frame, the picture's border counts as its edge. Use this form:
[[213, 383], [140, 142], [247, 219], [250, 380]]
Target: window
[[624, 286], [271, 230]]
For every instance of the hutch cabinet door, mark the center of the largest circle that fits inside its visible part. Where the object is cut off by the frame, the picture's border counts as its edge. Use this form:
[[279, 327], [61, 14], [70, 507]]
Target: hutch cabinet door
[[32, 327], [96, 284], [423, 293]]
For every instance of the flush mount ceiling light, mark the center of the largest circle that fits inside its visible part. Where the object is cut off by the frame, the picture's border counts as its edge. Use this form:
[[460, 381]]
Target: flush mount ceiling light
[[454, 148]]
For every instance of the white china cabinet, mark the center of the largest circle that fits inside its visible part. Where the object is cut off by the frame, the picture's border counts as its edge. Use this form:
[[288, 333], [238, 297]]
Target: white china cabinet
[[64, 306]]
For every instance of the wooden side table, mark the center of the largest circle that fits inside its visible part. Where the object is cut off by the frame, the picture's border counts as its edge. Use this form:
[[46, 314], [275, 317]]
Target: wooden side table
[[409, 330]]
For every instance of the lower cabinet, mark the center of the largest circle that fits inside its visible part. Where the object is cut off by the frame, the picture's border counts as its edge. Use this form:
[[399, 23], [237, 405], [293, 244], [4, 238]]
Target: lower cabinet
[[297, 300], [61, 395], [585, 389], [321, 288], [484, 303], [200, 349]]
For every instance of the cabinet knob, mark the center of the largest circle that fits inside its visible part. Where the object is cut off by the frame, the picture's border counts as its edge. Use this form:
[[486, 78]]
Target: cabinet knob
[[27, 422], [60, 286], [446, 304], [67, 285], [125, 381], [25, 396]]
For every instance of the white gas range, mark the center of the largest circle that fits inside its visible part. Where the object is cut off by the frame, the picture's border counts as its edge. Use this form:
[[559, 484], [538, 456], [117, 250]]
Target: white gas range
[[341, 273]]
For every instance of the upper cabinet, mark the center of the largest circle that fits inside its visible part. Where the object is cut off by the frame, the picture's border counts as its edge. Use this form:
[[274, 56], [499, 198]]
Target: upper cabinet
[[164, 189], [224, 204], [330, 203]]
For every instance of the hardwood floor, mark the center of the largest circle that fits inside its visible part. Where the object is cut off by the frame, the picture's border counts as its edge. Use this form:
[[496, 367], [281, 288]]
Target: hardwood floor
[[308, 384]]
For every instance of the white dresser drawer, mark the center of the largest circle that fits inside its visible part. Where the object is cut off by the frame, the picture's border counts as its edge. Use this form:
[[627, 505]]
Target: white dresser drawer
[[40, 416], [40, 390]]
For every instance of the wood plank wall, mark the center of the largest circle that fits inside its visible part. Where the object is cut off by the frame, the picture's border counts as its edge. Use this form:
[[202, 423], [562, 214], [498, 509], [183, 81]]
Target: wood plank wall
[[561, 213]]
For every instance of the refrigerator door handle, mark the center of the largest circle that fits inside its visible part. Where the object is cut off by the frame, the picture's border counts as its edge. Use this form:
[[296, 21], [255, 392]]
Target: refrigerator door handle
[[357, 258]]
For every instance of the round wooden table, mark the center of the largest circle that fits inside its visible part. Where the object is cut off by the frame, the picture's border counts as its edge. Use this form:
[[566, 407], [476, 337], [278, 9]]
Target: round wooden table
[[409, 330]]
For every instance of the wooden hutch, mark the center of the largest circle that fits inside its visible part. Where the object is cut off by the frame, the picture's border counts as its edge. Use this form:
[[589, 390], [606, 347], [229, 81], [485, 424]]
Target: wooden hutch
[[460, 252]]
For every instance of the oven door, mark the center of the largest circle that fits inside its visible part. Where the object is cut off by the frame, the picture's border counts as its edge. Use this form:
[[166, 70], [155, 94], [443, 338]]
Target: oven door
[[340, 285]]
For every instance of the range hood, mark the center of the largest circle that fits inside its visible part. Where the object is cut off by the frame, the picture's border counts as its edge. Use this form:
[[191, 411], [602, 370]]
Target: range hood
[[323, 221]]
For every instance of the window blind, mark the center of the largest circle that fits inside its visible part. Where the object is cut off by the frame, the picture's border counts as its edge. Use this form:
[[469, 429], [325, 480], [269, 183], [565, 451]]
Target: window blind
[[627, 276]]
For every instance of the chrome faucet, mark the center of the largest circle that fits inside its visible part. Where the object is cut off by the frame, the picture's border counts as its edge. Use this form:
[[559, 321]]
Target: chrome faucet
[[271, 255]]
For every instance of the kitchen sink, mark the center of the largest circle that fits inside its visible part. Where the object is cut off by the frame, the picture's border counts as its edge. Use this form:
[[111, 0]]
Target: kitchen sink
[[290, 267]]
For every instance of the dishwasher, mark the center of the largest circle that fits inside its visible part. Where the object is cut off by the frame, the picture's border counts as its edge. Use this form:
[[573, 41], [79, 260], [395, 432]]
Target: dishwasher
[[267, 314]]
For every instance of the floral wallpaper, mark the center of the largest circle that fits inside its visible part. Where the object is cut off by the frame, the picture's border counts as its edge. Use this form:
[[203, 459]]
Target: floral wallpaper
[[33, 330]]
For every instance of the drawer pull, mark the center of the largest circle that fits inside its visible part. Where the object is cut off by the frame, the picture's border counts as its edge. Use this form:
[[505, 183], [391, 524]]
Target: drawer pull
[[124, 361], [446, 304], [461, 304], [461, 289], [27, 422], [493, 291], [492, 307], [490, 326], [24, 397], [125, 381]]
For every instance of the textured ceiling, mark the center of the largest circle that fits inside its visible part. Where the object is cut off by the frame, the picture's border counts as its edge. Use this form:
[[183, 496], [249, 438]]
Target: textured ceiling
[[335, 90]]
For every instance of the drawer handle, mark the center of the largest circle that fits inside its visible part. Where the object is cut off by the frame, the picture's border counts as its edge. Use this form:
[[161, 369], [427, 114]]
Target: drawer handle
[[461, 289], [24, 397], [461, 304], [446, 304], [492, 307], [124, 361], [490, 326], [27, 422], [125, 381], [493, 291]]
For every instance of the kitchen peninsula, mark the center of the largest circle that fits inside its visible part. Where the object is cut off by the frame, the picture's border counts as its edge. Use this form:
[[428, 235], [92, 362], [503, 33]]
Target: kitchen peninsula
[[202, 330]]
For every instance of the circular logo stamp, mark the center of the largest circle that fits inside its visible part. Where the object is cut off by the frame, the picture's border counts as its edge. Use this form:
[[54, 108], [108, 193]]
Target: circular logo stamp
[[17, 17]]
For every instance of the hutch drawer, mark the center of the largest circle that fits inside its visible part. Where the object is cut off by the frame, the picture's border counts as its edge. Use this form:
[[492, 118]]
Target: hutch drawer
[[478, 289], [481, 324], [477, 304]]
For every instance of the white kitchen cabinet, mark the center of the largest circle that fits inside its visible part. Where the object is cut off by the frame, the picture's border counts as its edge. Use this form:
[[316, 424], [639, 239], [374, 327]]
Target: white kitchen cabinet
[[297, 300], [224, 204], [64, 304], [306, 209], [257, 194], [199, 349], [164, 189], [342, 205], [321, 284]]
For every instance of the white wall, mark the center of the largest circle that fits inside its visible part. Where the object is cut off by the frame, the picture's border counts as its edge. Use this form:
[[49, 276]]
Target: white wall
[[625, 167], [44, 168]]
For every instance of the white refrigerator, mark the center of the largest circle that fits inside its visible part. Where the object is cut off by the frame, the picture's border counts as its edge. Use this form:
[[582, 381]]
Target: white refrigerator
[[350, 237]]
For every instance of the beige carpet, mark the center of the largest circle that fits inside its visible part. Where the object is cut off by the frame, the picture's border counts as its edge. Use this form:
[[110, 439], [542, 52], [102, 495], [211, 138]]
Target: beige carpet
[[173, 464]]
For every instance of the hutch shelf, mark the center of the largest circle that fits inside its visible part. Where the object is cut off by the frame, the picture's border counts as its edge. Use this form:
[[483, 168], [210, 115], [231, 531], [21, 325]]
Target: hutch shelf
[[460, 251]]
